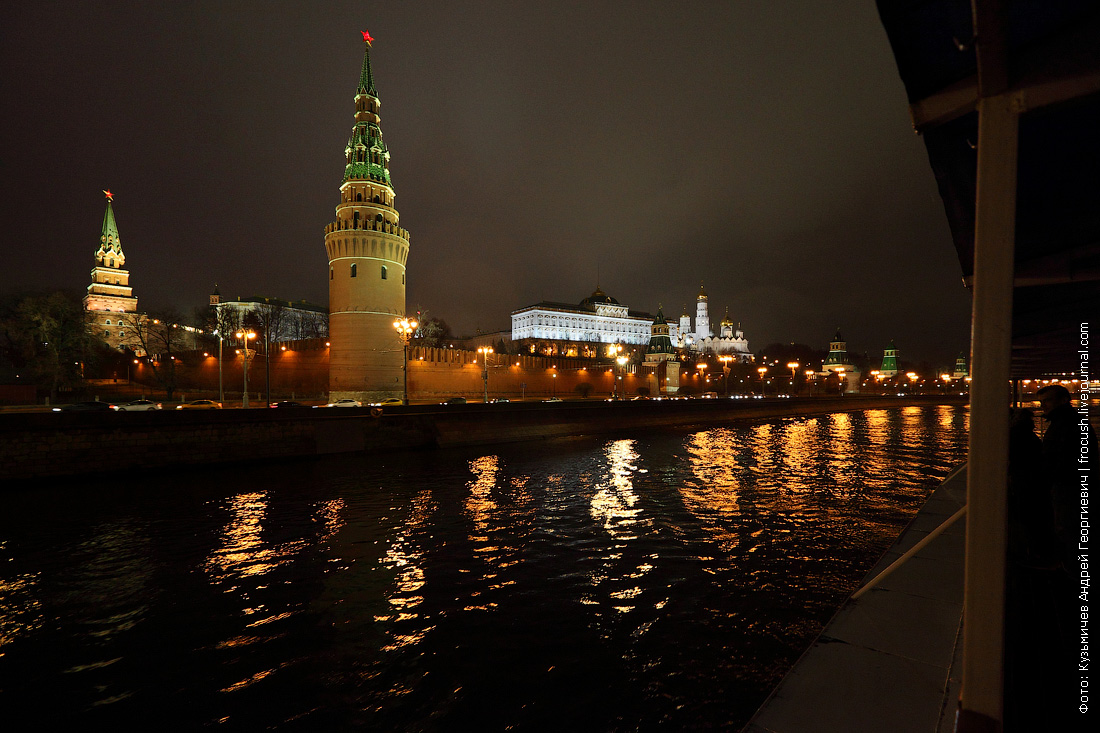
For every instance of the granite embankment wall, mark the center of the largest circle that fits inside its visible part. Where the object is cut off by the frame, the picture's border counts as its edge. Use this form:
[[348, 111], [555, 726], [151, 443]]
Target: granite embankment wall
[[35, 445]]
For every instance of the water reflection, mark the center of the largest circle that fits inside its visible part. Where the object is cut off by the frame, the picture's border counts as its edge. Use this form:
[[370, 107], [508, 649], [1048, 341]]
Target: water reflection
[[613, 503], [20, 609], [664, 578]]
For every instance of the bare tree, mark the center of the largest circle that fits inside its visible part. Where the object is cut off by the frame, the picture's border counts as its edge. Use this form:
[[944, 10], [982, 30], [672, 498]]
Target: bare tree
[[160, 335]]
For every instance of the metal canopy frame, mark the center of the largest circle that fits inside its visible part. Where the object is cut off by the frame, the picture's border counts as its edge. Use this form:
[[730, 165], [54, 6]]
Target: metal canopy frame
[[1007, 96]]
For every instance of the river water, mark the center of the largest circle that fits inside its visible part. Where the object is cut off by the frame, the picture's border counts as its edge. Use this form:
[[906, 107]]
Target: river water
[[650, 580]]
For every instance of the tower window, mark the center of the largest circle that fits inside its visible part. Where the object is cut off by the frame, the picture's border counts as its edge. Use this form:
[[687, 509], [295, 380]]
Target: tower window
[[330, 273], [358, 197], [383, 272], [106, 334], [354, 268], [108, 321]]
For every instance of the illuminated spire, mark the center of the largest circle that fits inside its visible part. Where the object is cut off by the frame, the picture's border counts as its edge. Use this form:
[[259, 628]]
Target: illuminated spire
[[367, 156], [366, 79], [108, 239]]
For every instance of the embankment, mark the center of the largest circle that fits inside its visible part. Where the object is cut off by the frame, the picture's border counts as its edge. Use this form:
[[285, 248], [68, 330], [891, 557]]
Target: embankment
[[37, 445]]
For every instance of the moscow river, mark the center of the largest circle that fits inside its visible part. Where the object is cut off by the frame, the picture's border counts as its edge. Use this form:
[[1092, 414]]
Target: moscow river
[[627, 582]]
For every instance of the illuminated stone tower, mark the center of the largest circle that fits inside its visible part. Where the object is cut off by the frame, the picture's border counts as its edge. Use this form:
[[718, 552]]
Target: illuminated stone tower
[[110, 296], [889, 366], [702, 318], [367, 251]]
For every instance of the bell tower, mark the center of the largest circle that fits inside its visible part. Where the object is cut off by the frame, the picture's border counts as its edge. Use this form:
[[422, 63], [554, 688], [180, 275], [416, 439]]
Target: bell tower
[[367, 251]]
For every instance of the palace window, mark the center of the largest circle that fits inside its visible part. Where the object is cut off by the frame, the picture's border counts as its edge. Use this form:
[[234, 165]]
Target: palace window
[[108, 321], [354, 269], [383, 272]]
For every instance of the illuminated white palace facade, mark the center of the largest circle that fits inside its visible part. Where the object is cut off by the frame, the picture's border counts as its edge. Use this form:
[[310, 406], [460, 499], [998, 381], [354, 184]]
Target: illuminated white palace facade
[[578, 330], [598, 319]]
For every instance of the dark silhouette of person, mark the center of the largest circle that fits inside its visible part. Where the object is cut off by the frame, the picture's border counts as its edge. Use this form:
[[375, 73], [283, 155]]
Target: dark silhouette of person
[[1066, 431]]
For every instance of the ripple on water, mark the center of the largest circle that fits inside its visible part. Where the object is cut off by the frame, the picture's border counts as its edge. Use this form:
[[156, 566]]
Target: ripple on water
[[608, 584]]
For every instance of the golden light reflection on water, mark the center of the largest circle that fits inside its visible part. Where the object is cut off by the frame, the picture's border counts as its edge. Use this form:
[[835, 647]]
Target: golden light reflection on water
[[20, 609], [613, 503], [614, 507], [243, 551], [404, 558]]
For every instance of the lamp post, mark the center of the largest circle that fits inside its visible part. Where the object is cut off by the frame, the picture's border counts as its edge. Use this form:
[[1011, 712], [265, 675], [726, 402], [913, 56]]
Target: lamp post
[[809, 382], [245, 337], [762, 371], [485, 351], [621, 360], [267, 363], [221, 388], [792, 365], [912, 380], [614, 351], [405, 329], [726, 359], [840, 379]]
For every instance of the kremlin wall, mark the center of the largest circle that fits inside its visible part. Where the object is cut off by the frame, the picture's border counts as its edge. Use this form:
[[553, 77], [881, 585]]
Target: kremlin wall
[[300, 370]]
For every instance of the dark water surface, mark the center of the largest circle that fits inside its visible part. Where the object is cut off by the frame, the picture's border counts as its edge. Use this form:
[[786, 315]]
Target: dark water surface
[[651, 580]]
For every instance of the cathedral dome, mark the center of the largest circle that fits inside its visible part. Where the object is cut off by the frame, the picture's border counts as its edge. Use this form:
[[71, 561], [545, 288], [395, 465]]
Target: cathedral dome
[[598, 296]]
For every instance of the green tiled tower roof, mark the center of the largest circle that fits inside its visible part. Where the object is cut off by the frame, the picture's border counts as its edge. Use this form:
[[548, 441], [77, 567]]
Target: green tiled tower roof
[[659, 341], [890, 358], [108, 239], [367, 156], [366, 79]]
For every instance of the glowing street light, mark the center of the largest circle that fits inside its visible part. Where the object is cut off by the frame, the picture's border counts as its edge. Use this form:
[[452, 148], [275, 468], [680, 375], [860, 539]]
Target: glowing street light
[[485, 351], [621, 360], [762, 371], [726, 359], [245, 336], [792, 365], [405, 329]]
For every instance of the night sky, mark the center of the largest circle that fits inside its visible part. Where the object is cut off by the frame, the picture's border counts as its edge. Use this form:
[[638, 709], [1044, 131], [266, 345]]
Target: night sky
[[763, 148]]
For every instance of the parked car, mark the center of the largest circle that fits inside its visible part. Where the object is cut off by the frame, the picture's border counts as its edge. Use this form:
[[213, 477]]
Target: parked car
[[200, 405], [345, 402], [286, 403], [137, 406], [455, 401], [89, 406]]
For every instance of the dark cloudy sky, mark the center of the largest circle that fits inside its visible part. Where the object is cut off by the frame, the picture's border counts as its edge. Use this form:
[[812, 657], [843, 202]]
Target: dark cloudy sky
[[763, 148]]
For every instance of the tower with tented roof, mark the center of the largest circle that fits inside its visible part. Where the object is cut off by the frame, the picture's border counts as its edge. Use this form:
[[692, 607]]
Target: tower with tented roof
[[367, 253], [110, 296], [889, 366], [661, 367]]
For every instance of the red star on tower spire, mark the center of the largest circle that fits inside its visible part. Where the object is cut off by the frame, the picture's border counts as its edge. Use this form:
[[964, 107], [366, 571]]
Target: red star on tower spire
[[366, 37], [110, 196]]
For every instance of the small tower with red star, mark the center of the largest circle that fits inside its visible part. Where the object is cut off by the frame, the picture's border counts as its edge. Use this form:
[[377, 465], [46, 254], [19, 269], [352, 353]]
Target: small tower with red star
[[367, 251], [109, 296]]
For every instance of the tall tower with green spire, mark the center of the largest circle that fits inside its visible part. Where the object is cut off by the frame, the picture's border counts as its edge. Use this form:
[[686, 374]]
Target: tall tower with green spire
[[110, 295], [367, 251], [889, 366]]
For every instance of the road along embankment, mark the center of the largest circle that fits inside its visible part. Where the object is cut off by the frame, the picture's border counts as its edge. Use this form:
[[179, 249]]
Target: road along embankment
[[37, 445]]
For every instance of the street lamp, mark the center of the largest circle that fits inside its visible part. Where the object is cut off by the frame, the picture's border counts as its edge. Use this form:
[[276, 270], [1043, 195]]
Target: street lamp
[[622, 360], [485, 351], [840, 379], [792, 365], [405, 329], [762, 371], [809, 382], [726, 359], [244, 336]]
